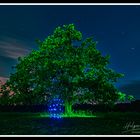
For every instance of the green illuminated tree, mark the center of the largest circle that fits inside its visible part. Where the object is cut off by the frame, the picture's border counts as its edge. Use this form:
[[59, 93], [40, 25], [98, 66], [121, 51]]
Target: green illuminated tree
[[67, 66], [122, 96], [130, 98]]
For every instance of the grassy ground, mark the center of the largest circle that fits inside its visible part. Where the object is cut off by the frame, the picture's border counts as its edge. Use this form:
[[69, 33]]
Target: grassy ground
[[39, 124]]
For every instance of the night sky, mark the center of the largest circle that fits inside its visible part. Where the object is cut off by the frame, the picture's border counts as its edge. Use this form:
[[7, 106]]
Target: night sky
[[115, 27]]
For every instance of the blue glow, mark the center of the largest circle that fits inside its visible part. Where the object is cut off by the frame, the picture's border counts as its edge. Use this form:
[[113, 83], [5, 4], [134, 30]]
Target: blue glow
[[55, 108]]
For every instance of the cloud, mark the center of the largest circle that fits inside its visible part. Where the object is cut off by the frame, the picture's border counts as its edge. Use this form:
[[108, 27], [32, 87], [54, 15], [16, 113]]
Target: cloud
[[3, 79], [13, 48], [132, 88]]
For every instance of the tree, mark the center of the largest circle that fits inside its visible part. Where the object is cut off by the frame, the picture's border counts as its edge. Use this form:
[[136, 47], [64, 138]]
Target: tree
[[122, 96], [64, 65], [4, 94], [130, 98]]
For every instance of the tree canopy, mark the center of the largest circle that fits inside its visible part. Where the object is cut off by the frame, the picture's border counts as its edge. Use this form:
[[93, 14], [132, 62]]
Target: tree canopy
[[64, 65]]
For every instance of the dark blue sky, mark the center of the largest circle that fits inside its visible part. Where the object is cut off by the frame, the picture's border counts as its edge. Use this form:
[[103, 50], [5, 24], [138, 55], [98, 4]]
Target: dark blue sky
[[115, 27]]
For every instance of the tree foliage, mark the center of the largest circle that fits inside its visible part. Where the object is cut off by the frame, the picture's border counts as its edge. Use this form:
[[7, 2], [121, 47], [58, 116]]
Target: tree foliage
[[130, 98], [122, 97]]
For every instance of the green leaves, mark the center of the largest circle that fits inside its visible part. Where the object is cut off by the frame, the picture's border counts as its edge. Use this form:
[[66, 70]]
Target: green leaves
[[130, 98], [122, 96]]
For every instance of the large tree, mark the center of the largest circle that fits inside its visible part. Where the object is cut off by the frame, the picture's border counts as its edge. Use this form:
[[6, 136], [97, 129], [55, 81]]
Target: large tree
[[67, 66]]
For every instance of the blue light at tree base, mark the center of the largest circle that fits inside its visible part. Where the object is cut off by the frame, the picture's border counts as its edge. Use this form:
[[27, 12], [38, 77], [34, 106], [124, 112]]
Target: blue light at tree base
[[56, 108]]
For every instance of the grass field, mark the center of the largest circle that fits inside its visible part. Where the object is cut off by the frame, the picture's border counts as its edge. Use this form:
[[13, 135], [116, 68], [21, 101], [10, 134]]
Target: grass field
[[113, 123]]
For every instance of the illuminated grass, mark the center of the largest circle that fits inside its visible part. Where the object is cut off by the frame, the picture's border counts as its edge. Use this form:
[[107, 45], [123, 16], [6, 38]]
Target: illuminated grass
[[77, 114], [44, 115], [81, 114], [103, 123]]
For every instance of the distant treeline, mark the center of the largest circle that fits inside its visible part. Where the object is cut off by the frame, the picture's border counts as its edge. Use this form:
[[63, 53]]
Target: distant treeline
[[134, 106]]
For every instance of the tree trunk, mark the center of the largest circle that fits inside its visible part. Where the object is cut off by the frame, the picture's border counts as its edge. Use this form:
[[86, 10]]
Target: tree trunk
[[68, 107]]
